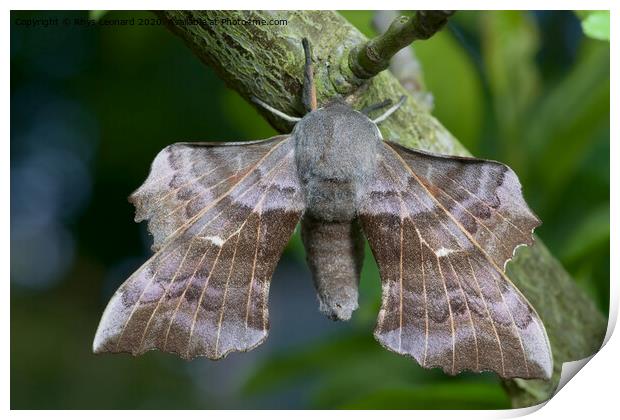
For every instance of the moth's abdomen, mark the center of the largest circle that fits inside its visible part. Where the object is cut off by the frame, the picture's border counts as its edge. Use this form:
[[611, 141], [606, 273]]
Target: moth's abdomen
[[335, 252]]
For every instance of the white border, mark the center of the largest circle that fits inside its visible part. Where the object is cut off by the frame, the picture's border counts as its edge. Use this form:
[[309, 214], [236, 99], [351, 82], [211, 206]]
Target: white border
[[313, 5], [592, 395]]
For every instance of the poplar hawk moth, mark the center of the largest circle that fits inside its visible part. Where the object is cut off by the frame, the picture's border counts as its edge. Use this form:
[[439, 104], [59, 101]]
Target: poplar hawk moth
[[441, 229]]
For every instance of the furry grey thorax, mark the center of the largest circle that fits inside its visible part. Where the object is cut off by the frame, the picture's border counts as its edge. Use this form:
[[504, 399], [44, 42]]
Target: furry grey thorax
[[336, 151]]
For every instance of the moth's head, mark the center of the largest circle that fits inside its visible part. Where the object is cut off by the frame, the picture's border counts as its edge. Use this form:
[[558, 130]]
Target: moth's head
[[338, 123], [339, 105]]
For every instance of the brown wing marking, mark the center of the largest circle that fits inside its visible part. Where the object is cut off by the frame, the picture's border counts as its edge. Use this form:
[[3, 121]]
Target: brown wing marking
[[204, 293], [483, 196], [445, 300], [186, 178]]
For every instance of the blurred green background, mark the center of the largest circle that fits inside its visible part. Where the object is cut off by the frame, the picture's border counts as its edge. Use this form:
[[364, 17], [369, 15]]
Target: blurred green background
[[90, 108]]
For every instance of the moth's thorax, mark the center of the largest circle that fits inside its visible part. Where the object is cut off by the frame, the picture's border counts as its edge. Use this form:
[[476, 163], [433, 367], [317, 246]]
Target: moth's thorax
[[336, 151]]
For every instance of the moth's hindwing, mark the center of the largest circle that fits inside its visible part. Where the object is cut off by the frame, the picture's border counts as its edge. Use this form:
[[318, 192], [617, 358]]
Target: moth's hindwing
[[441, 229], [221, 215]]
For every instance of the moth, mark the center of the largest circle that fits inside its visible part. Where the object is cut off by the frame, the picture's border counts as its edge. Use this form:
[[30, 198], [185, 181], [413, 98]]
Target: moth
[[441, 229]]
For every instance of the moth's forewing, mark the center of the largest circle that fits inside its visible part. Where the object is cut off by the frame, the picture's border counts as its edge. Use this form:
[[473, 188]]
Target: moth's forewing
[[441, 229], [221, 215], [185, 178]]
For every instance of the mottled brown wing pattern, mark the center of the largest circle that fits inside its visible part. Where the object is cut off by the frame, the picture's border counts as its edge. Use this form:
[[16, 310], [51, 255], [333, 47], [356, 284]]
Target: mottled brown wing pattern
[[446, 300], [483, 196], [205, 292], [186, 177]]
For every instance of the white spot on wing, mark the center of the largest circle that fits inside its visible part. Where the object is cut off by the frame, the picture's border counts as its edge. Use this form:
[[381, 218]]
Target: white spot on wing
[[215, 240], [442, 252]]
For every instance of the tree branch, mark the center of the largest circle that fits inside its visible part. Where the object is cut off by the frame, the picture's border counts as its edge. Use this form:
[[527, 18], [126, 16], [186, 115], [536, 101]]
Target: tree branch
[[404, 65], [267, 62], [374, 56]]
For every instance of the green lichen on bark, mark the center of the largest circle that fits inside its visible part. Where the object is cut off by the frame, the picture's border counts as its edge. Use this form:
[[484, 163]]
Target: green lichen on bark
[[266, 61]]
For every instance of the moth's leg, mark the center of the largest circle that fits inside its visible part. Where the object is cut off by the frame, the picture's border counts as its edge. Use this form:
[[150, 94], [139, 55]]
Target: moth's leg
[[390, 111], [370, 108], [309, 91], [274, 111]]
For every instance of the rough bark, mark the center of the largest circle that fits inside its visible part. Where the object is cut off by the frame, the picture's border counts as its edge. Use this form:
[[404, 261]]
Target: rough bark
[[266, 61]]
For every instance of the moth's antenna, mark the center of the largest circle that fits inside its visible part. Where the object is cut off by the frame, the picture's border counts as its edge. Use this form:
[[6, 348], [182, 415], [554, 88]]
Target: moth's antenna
[[309, 92], [390, 111], [274, 111], [370, 108]]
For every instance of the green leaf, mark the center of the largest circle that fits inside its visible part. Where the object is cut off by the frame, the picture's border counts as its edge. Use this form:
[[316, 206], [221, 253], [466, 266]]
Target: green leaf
[[361, 19], [299, 363], [588, 235], [566, 123], [596, 25], [96, 14], [343, 370], [451, 76], [376, 370], [441, 396], [510, 41]]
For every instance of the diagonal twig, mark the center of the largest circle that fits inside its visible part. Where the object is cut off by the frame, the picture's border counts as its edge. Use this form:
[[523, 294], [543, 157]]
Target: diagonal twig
[[404, 65], [374, 56]]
